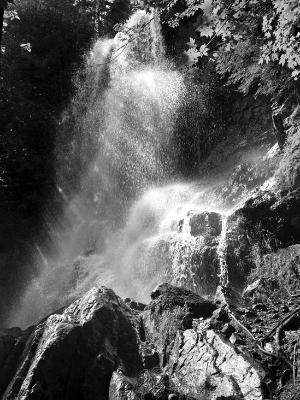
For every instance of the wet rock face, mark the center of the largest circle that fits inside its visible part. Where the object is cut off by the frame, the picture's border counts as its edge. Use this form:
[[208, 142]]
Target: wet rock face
[[266, 223], [72, 355], [12, 343], [195, 262], [204, 223], [238, 252], [273, 219]]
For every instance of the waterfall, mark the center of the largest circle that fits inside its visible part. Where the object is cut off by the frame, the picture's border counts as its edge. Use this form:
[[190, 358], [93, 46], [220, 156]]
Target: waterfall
[[132, 223], [120, 145], [223, 274]]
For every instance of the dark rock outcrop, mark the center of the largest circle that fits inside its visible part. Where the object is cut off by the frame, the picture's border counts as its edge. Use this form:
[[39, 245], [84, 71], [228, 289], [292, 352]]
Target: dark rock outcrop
[[205, 223], [72, 355], [272, 219], [268, 221]]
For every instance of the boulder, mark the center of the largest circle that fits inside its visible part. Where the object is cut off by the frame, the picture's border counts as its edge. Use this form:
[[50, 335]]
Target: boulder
[[172, 308], [196, 265], [73, 354], [167, 297], [271, 219], [122, 387], [205, 223], [205, 365]]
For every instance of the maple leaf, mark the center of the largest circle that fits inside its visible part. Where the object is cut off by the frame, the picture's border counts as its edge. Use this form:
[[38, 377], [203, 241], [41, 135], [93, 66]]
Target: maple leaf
[[206, 31]]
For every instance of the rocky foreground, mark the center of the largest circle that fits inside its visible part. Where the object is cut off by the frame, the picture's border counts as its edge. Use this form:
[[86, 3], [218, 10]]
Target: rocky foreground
[[180, 346]]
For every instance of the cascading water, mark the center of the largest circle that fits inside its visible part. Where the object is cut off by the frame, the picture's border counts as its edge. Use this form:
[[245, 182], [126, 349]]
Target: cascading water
[[222, 253], [130, 226]]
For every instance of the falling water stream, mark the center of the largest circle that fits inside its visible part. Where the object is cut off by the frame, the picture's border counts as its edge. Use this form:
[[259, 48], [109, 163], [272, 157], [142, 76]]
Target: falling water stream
[[131, 122], [222, 246]]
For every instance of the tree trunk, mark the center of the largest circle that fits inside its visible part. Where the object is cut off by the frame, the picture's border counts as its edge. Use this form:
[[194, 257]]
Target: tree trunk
[[1, 26]]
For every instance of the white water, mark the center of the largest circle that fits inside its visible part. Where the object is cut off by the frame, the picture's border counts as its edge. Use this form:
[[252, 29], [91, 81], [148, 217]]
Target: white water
[[130, 122], [221, 251]]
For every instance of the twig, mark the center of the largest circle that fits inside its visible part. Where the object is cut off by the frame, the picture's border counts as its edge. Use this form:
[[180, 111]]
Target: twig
[[285, 359], [242, 326], [278, 338], [286, 319], [260, 348], [131, 38], [117, 52], [289, 293], [279, 354], [265, 352], [294, 364]]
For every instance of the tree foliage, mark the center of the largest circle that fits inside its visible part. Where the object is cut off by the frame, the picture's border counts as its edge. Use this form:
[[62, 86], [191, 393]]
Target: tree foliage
[[253, 43]]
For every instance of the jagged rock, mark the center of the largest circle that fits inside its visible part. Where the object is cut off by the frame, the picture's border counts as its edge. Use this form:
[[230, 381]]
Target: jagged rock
[[122, 387], [171, 309], [72, 355], [206, 366]]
